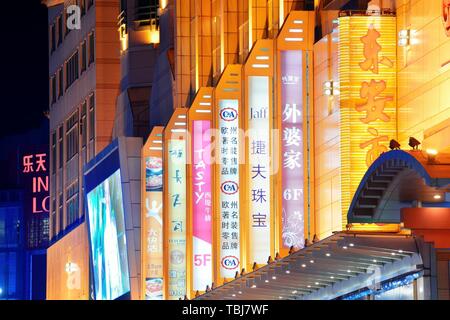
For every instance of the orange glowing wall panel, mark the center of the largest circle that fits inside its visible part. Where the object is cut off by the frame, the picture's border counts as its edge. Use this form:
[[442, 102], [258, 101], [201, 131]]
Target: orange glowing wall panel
[[68, 267], [368, 89], [327, 178], [424, 74], [426, 218]]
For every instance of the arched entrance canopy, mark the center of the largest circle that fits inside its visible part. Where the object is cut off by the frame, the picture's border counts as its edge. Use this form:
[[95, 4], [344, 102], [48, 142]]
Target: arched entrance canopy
[[396, 180]]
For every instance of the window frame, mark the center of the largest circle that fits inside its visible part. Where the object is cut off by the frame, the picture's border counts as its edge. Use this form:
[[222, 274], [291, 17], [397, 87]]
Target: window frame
[[91, 52], [59, 22], [72, 136], [52, 37], [60, 82], [53, 89], [83, 56]]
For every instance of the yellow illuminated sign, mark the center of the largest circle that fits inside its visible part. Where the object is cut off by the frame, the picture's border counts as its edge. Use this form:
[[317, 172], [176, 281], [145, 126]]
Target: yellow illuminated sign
[[151, 217], [367, 82], [260, 167], [175, 205]]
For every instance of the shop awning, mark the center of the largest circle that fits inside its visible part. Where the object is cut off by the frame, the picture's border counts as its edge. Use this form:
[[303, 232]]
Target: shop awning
[[338, 265], [396, 180]]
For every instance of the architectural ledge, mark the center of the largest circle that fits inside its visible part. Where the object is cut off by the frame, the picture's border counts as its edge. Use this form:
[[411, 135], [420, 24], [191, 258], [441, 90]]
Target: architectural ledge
[[51, 3]]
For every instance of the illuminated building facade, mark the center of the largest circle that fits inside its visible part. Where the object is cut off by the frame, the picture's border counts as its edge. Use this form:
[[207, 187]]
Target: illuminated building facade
[[299, 101], [84, 74], [139, 25]]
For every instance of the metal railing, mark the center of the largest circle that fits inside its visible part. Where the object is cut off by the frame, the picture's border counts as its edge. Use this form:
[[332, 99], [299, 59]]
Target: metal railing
[[122, 18], [145, 14], [382, 12]]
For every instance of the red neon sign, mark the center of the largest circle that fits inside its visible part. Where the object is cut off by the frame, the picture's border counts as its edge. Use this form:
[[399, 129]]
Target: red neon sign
[[35, 165]]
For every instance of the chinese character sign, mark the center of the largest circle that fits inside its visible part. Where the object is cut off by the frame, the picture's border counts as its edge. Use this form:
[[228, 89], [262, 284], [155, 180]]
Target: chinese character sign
[[34, 166], [367, 72], [177, 218], [229, 187], [292, 233], [202, 204], [153, 229], [259, 168]]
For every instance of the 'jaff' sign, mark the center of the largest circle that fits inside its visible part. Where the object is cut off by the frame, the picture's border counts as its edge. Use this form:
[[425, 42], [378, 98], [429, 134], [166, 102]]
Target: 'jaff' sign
[[259, 168]]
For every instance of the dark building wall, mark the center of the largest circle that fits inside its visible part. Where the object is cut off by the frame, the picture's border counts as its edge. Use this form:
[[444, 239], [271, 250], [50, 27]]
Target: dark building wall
[[443, 274], [17, 225], [161, 98]]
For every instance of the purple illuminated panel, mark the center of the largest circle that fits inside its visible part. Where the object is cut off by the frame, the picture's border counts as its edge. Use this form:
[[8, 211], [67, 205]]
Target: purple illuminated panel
[[293, 233]]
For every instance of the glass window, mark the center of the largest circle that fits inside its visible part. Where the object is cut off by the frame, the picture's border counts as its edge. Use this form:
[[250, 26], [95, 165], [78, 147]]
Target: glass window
[[72, 69], [83, 7], [83, 56], [405, 292], [60, 214], [83, 124], [123, 5], [53, 87], [72, 136], [61, 82], [60, 29], [53, 153], [72, 204], [91, 48], [91, 117], [52, 38], [61, 147]]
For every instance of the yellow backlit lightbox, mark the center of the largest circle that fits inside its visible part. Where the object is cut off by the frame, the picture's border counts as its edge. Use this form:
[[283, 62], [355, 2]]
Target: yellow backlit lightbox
[[367, 82]]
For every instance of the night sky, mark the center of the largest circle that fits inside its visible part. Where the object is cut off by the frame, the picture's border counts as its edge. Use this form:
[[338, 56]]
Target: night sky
[[24, 66]]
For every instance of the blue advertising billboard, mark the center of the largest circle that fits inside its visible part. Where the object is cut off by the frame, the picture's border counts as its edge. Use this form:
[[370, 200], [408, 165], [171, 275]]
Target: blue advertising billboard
[[106, 223]]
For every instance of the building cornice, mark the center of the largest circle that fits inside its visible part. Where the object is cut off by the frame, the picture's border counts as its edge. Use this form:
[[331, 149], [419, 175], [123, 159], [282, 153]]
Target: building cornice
[[51, 3]]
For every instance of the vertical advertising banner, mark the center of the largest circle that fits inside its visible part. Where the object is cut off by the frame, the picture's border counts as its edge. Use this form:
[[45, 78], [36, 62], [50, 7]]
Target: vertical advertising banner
[[177, 219], [229, 187], [34, 174], [202, 204], [292, 233], [368, 89], [153, 229], [259, 168]]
